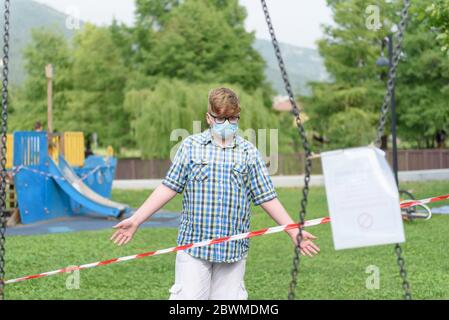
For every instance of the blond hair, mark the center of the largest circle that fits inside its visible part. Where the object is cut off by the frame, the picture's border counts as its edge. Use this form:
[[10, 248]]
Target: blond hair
[[223, 102]]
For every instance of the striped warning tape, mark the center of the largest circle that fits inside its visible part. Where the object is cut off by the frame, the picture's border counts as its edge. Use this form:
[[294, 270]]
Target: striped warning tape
[[251, 234], [174, 249], [414, 203]]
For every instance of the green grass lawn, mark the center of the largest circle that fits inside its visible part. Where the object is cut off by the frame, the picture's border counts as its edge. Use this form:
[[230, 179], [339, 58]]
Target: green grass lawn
[[330, 275]]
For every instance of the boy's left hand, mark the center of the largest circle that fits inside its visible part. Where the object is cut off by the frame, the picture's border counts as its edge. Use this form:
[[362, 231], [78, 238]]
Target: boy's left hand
[[307, 246]]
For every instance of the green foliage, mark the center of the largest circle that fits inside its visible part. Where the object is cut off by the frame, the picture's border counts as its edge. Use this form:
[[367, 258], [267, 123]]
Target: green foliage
[[88, 85], [99, 77], [199, 41], [423, 85], [351, 128], [175, 104], [152, 14], [350, 51], [125, 40], [202, 43], [349, 48], [30, 102], [438, 15], [288, 134], [327, 110]]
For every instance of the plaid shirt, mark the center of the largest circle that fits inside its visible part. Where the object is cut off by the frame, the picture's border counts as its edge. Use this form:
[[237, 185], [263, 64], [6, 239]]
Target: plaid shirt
[[219, 185]]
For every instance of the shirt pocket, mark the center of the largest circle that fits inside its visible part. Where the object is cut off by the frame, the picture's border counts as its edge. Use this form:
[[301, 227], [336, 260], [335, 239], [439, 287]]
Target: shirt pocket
[[199, 170], [239, 175]]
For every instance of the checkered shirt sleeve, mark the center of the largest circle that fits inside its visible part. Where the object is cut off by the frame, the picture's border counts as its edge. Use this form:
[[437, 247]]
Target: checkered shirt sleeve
[[261, 186], [176, 177]]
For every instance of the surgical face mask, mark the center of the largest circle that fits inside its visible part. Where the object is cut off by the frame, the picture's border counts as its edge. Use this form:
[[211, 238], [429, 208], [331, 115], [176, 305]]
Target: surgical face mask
[[225, 130]]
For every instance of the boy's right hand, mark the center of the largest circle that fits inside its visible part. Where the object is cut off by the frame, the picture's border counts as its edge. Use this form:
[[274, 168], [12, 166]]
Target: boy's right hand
[[125, 231]]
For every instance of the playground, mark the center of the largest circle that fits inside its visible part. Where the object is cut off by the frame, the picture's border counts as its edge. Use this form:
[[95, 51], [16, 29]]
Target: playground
[[379, 237], [331, 275]]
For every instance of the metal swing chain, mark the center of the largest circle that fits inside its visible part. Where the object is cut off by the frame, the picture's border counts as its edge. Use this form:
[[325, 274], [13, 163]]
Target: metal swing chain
[[392, 74], [308, 162], [4, 116], [380, 129]]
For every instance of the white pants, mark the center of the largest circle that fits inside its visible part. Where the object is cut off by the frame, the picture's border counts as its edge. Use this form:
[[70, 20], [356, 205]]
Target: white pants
[[198, 279]]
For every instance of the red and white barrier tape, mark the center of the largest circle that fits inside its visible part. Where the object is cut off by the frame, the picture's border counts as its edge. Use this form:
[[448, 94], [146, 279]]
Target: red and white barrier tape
[[414, 203], [174, 249], [251, 234]]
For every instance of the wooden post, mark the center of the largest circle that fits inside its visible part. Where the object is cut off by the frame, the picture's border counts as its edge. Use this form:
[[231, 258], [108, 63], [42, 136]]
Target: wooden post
[[49, 76]]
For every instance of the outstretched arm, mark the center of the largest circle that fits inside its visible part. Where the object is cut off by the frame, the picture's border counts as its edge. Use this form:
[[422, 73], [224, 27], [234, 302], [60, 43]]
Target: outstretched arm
[[277, 211], [158, 198], [128, 227]]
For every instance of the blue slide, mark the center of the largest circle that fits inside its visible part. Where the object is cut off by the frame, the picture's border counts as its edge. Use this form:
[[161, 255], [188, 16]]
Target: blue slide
[[79, 192]]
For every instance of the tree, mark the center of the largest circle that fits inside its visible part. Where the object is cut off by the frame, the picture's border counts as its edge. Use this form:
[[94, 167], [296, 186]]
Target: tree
[[423, 87], [198, 41], [153, 14], [350, 50], [99, 78], [438, 17], [124, 39], [30, 102]]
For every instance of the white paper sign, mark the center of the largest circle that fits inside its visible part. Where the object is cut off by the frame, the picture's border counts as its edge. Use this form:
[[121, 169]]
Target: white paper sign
[[362, 197]]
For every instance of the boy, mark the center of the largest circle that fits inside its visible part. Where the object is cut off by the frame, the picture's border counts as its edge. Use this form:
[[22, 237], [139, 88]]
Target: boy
[[220, 174]]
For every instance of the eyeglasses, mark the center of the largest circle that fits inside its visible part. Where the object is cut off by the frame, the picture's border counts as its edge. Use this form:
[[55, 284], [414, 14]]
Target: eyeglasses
[[220, 120]]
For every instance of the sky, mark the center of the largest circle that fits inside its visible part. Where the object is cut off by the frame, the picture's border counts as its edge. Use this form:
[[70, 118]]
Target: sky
[[296, 22]]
